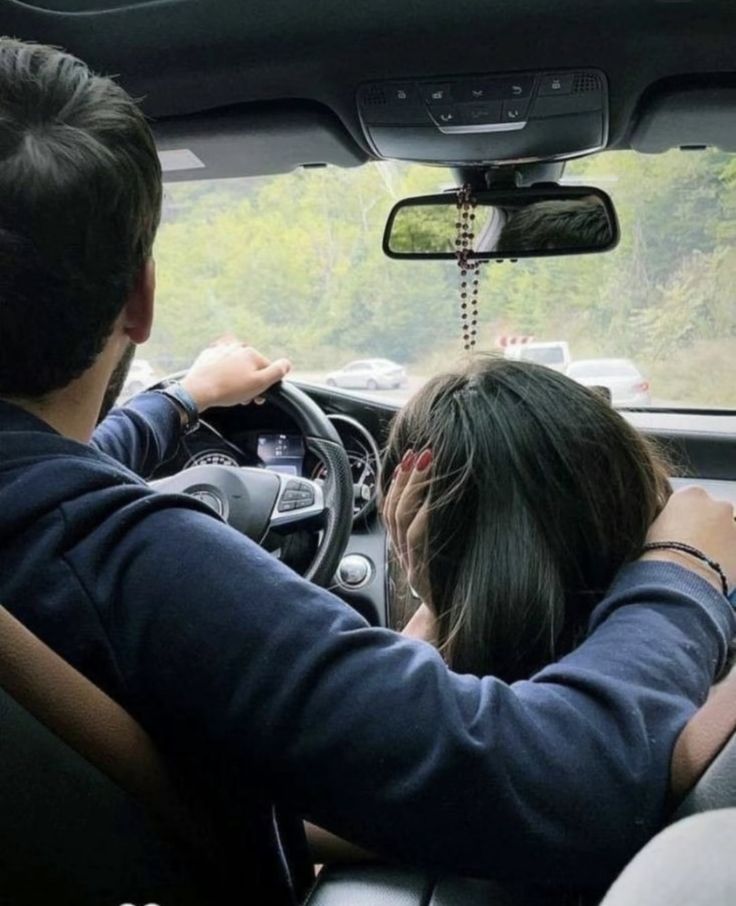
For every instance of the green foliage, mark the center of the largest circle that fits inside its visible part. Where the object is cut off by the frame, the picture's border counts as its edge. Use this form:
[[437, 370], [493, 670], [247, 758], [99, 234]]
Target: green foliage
[[293, 264], [425, 228]]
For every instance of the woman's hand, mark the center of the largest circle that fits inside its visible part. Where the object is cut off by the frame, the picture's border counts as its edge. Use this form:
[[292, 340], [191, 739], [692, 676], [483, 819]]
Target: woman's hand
[[405, 515], [693, 517]]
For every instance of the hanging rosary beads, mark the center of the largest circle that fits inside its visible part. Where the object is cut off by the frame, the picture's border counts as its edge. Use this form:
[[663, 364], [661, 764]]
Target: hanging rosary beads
[[468, 267]]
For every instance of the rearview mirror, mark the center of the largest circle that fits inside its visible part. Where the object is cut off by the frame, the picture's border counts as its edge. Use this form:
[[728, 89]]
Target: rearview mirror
[[506, 223]]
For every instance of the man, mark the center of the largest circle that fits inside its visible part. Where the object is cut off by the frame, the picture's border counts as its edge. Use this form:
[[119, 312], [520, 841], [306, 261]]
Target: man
[[268, 696]]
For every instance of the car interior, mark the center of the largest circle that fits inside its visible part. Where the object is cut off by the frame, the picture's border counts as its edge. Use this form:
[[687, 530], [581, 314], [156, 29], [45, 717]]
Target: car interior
[[500, 94]]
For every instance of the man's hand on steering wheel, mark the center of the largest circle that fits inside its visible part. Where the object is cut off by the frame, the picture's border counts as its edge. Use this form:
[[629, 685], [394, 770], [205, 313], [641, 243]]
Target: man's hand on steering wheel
[[229, 372], [254, 500]]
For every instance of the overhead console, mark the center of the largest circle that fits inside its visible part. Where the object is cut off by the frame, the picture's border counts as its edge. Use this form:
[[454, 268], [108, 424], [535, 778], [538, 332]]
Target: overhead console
[[492, 118]]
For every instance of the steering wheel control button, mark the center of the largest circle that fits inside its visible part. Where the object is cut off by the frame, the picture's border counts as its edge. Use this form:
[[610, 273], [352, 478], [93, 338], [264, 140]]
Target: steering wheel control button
[[355, 571], [560, 83], [297, 500]]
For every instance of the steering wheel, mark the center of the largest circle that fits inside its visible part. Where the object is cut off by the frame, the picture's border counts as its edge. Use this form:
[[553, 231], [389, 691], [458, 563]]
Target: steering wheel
[[256, 501]]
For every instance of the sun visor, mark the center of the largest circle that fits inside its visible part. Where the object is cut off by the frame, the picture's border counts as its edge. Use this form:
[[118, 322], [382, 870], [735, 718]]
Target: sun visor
[[688, 117], [253, 140]]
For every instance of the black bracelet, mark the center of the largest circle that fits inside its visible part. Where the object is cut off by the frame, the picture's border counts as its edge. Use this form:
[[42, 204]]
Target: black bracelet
[[694, 552]]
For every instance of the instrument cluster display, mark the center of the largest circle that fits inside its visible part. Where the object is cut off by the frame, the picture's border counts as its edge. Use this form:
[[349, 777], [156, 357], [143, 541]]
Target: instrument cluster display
[[282, 452]]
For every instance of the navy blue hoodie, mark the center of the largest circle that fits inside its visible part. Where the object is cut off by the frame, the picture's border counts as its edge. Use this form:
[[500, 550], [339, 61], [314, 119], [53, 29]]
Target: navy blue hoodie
[[262, 689]]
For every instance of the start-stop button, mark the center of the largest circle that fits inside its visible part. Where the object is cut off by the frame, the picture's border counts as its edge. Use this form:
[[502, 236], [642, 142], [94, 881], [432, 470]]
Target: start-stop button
[[354, 571]]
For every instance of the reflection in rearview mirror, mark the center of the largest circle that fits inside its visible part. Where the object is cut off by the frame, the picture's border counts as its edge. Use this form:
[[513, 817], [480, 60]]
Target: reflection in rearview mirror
[[505, 224]]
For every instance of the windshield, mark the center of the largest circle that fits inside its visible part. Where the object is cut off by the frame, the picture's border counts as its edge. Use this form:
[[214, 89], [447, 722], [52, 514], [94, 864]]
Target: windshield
[[546, 355], [293, 264], [592, 369]]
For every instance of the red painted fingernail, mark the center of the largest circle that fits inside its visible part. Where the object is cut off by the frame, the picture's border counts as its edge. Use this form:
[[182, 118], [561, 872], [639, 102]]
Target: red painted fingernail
[[408, 461], [424, 460]]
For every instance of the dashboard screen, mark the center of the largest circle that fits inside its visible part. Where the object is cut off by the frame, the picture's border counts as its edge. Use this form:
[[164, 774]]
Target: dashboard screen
[[282, 452]]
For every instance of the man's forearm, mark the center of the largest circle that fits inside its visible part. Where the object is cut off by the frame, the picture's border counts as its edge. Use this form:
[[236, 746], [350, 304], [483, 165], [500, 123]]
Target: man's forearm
[[370, 736], [142, 434]]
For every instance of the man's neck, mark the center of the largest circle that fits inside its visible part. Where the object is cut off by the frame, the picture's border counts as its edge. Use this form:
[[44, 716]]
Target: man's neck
[[73, 411]]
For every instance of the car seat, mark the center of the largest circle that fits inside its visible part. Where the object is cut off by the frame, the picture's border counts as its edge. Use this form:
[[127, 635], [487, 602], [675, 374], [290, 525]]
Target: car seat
[[87, 814]]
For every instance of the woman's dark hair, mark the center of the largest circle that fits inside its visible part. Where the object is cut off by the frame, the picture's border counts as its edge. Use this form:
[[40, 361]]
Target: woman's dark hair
[[557, 224], [80, 200], [540, 492]]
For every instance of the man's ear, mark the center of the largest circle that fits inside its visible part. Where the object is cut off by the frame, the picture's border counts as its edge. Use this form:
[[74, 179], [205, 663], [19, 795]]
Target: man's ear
[[138, 311]]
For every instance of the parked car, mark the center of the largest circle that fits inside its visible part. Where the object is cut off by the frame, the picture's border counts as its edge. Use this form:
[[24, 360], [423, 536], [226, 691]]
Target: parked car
[[555, 354], [372, 374], [620, 377], [140, 376]]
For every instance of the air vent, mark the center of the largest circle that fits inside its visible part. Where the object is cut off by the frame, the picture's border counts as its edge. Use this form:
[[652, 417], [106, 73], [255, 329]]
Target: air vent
[[584, 82]]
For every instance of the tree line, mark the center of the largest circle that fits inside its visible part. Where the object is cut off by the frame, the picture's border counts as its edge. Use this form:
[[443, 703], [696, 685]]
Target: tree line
[[293, 263]]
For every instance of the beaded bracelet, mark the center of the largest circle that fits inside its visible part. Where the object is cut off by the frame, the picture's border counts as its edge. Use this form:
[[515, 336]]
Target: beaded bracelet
[[694, 552]]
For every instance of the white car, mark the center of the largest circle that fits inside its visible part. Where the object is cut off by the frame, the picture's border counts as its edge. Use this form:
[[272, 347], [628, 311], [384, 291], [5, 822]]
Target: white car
[[371, 374], [140, 376], [555, 354], [624, 382]]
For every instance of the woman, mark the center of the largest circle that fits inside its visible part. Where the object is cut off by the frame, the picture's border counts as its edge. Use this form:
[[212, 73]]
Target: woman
[[537, 493], [512, 496]]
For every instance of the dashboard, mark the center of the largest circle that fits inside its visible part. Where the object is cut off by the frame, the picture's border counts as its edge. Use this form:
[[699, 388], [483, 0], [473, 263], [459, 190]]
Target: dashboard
[[266, 437], [271, 442], [701, 449]]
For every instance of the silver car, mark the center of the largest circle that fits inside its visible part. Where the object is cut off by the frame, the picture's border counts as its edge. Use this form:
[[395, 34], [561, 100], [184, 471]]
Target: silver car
[[624, 382], [371, 374]]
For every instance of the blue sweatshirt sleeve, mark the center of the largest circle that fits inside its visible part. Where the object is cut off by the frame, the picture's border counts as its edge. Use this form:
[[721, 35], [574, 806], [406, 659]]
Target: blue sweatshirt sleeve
[[368, 734], [142, 434]]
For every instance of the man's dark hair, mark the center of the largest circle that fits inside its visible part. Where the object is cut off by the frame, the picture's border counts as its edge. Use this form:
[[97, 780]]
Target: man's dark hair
[[80, 202], [563, 224]]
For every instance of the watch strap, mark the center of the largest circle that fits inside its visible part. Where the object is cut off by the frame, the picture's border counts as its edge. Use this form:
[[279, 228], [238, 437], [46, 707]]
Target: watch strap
[[185, 402]]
